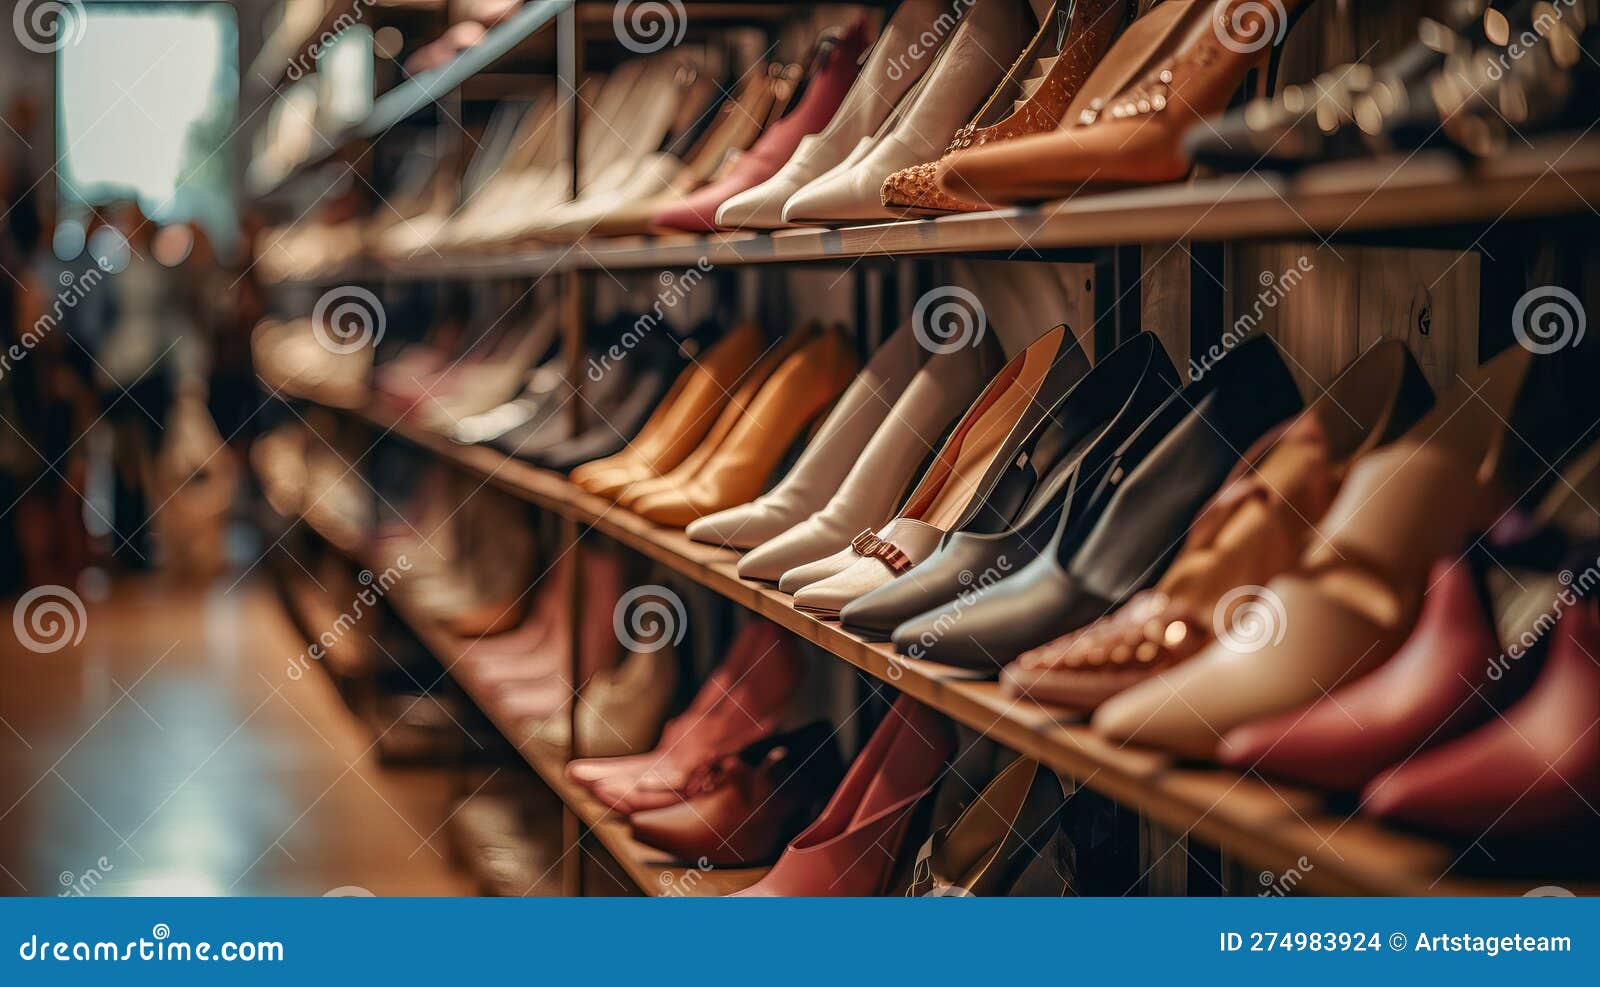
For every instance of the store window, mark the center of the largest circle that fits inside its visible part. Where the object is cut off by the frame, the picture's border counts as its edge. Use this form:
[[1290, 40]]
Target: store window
[[147, 100]]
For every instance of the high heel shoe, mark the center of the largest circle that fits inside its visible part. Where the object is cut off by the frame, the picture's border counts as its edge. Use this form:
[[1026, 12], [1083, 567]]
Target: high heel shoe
[[1453, 672], [799, 390], [682, 418], [1032, 99], [1123, 538], [1354, 596], [983, 444], [1103, 409], [828, 457], [850, 850], [1533, 770], [1179, 63], [743, 701], [882, 82], [1255, 528], [965, 71], [939, 393]]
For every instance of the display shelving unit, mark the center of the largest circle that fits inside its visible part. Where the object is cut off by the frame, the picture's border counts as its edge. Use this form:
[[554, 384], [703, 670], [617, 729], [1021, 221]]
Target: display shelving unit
[[1425, 200]]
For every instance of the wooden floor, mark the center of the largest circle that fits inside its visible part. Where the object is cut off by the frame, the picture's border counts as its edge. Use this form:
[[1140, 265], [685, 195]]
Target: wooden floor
[[170, 753]]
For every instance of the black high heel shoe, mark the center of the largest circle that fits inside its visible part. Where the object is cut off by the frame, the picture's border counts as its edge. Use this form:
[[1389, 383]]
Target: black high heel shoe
[[1132, 526]]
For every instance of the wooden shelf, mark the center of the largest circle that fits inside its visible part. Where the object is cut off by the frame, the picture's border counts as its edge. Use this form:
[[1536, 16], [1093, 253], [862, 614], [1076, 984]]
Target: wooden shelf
[[1396, 199], [1272, 827], [647, 867]]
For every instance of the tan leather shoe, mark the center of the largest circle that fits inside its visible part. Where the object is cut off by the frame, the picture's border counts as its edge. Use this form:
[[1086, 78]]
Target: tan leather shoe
[[829, 456], [683, 419], [799, 390], [1032, 99], [1355, 594], [1174, 66], [728, 410]]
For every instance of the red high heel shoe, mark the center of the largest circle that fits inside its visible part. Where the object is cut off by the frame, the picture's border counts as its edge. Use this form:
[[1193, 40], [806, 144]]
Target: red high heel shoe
[[1534, 770], [850, 850]]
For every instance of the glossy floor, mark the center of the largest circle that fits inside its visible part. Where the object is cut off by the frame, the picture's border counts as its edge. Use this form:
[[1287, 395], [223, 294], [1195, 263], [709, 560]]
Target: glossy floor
[[169, 753]]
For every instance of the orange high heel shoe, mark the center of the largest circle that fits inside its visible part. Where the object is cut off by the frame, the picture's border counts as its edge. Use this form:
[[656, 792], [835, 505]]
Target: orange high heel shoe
[[1179, 63]]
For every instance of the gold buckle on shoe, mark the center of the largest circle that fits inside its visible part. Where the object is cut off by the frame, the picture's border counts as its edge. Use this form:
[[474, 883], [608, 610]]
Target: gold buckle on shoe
[[870, 546]]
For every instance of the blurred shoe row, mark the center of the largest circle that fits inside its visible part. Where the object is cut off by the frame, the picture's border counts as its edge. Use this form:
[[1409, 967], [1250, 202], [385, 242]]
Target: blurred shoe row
[[986, 104]]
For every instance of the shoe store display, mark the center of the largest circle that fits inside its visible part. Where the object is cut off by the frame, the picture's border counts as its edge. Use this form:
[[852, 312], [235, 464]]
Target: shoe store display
[[940, 448]]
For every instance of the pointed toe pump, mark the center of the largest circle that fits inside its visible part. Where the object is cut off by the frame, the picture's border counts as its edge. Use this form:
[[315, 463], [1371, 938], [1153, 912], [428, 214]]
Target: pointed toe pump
[[1180, 62], [982, 445], [1475, 647], [1033, 98], [1255, 528], [1533, 770], [1093, 418], [1148, 493], [1354, 596], [879, 478], [800, 390], [851, 849], [828, 458]]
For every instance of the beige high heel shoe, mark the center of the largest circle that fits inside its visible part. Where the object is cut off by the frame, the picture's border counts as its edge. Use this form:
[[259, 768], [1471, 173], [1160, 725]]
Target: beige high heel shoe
[[1355, 594]]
